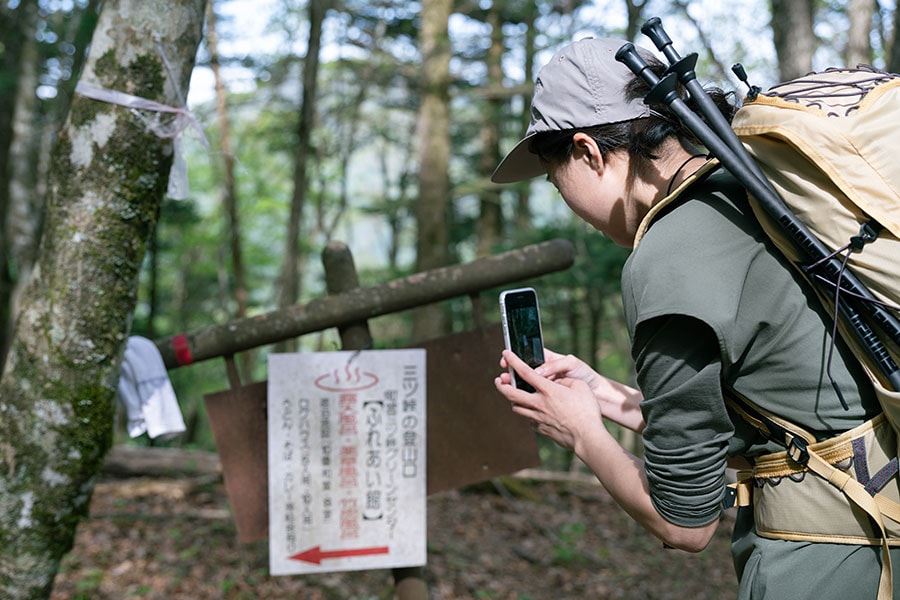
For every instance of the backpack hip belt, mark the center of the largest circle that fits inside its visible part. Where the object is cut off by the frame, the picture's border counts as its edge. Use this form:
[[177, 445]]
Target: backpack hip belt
[[843, 490], [792, 501]]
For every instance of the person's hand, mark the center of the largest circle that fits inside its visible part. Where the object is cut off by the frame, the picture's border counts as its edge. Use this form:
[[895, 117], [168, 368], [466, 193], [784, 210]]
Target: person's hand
[[562, 366], [618, 402], [562, 409]]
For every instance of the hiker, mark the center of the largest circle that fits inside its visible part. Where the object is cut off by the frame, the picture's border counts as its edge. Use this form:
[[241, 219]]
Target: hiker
[[711, 307]]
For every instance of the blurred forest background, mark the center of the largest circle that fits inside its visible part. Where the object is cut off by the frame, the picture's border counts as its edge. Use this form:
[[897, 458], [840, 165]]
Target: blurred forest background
[[376, 123]]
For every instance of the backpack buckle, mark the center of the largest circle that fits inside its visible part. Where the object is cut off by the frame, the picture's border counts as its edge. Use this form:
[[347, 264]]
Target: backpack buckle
[[868, 232], [730, 498], [797, 451]]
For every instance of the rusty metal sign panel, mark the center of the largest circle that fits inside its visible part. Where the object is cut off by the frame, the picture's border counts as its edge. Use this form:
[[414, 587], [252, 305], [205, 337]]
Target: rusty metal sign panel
[[238, 421], [472, 434]]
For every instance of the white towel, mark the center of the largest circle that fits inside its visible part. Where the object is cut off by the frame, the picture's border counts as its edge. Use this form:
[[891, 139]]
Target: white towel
[[146, 392]]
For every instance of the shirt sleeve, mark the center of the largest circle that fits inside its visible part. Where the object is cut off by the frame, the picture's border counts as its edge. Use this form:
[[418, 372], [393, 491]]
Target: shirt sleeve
[[687, 428]]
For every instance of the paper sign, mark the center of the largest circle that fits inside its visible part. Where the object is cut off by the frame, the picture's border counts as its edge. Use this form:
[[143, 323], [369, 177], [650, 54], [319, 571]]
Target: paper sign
[[347, 479]]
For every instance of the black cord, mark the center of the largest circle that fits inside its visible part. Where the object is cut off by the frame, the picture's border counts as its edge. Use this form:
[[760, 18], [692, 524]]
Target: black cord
[[834, 329], [679, 169]]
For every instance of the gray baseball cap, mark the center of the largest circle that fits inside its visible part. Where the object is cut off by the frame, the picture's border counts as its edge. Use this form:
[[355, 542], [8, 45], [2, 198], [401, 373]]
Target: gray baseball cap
[[583, 85]]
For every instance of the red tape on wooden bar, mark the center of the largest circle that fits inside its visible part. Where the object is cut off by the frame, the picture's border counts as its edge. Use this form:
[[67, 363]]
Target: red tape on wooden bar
[[182, 350]]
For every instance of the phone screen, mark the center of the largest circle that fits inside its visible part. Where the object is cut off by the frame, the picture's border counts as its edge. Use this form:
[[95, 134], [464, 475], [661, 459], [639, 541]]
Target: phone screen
[[522, 329]]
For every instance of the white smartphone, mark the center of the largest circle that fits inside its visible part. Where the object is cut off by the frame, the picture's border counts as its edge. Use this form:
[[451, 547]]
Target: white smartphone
[[522, 329]]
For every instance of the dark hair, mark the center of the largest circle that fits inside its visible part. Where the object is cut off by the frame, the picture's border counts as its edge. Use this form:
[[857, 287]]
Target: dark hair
[[640, 137]]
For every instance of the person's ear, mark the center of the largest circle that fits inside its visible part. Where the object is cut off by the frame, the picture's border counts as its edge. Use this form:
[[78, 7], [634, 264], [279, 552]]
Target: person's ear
[[585, 147]]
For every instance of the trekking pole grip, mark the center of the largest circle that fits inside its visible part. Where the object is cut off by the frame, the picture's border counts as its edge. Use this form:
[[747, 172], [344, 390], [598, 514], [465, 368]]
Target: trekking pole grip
[[628, 55], [654, 30]]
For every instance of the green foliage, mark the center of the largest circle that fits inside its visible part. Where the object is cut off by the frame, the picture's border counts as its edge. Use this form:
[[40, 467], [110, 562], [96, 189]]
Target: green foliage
[[566, 549], [87, 588]]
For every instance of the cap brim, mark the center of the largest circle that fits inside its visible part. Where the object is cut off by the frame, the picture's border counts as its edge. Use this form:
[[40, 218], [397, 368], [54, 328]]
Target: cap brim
[[519, 164]]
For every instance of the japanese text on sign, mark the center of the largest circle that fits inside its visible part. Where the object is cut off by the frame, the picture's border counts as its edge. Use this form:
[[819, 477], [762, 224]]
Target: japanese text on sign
[[346, 460]]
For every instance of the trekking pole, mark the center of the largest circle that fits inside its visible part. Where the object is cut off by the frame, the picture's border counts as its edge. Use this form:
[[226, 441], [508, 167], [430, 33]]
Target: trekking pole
[[819, 253], [683, 67], [664, 91]]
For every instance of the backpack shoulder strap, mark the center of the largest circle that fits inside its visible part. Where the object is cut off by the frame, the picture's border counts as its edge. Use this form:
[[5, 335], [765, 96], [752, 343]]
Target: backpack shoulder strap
[[771, 426]]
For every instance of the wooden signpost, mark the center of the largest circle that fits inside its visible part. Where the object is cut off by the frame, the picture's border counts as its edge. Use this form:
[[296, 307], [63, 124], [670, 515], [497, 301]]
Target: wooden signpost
[[335, 474]]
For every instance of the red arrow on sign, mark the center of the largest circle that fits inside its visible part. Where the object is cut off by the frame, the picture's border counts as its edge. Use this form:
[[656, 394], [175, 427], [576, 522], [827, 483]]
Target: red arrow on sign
[[316, 555]]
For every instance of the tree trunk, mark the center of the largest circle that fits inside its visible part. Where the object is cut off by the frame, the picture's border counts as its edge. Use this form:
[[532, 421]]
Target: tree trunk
[[107, 179], [859, 48], [522, 218], [433, 133], [792, 32], [34, 126], [291, 268], [17, 32], [229, 188], [490, 219], [894, 61], [229, 191], [635, 12]]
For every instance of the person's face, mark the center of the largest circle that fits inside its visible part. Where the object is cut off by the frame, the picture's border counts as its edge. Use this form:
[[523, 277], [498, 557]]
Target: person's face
[[594, 188]]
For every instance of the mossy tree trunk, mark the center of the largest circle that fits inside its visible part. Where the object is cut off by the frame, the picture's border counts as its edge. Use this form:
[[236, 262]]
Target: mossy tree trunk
[[107, 179]]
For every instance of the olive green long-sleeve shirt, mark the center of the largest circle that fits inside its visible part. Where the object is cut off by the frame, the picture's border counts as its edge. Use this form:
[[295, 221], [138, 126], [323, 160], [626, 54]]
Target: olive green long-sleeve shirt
[[709, 301]]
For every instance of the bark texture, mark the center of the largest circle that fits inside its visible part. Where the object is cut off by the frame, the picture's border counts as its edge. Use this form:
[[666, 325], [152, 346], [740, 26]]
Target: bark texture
[[894, 57], [490, 218], [107, 179], [433, 133], [792, 32], [859, 48]]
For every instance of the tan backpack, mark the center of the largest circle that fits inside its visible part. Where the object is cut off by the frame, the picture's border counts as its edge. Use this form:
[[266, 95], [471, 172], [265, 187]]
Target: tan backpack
[[821, 164], [826, 143]]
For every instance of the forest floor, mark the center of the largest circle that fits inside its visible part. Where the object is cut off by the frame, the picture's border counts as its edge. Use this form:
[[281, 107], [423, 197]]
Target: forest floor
[[174, 538]]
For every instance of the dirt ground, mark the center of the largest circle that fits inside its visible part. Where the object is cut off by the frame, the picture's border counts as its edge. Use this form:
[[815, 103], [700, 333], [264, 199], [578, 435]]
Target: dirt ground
[[174, 538]]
